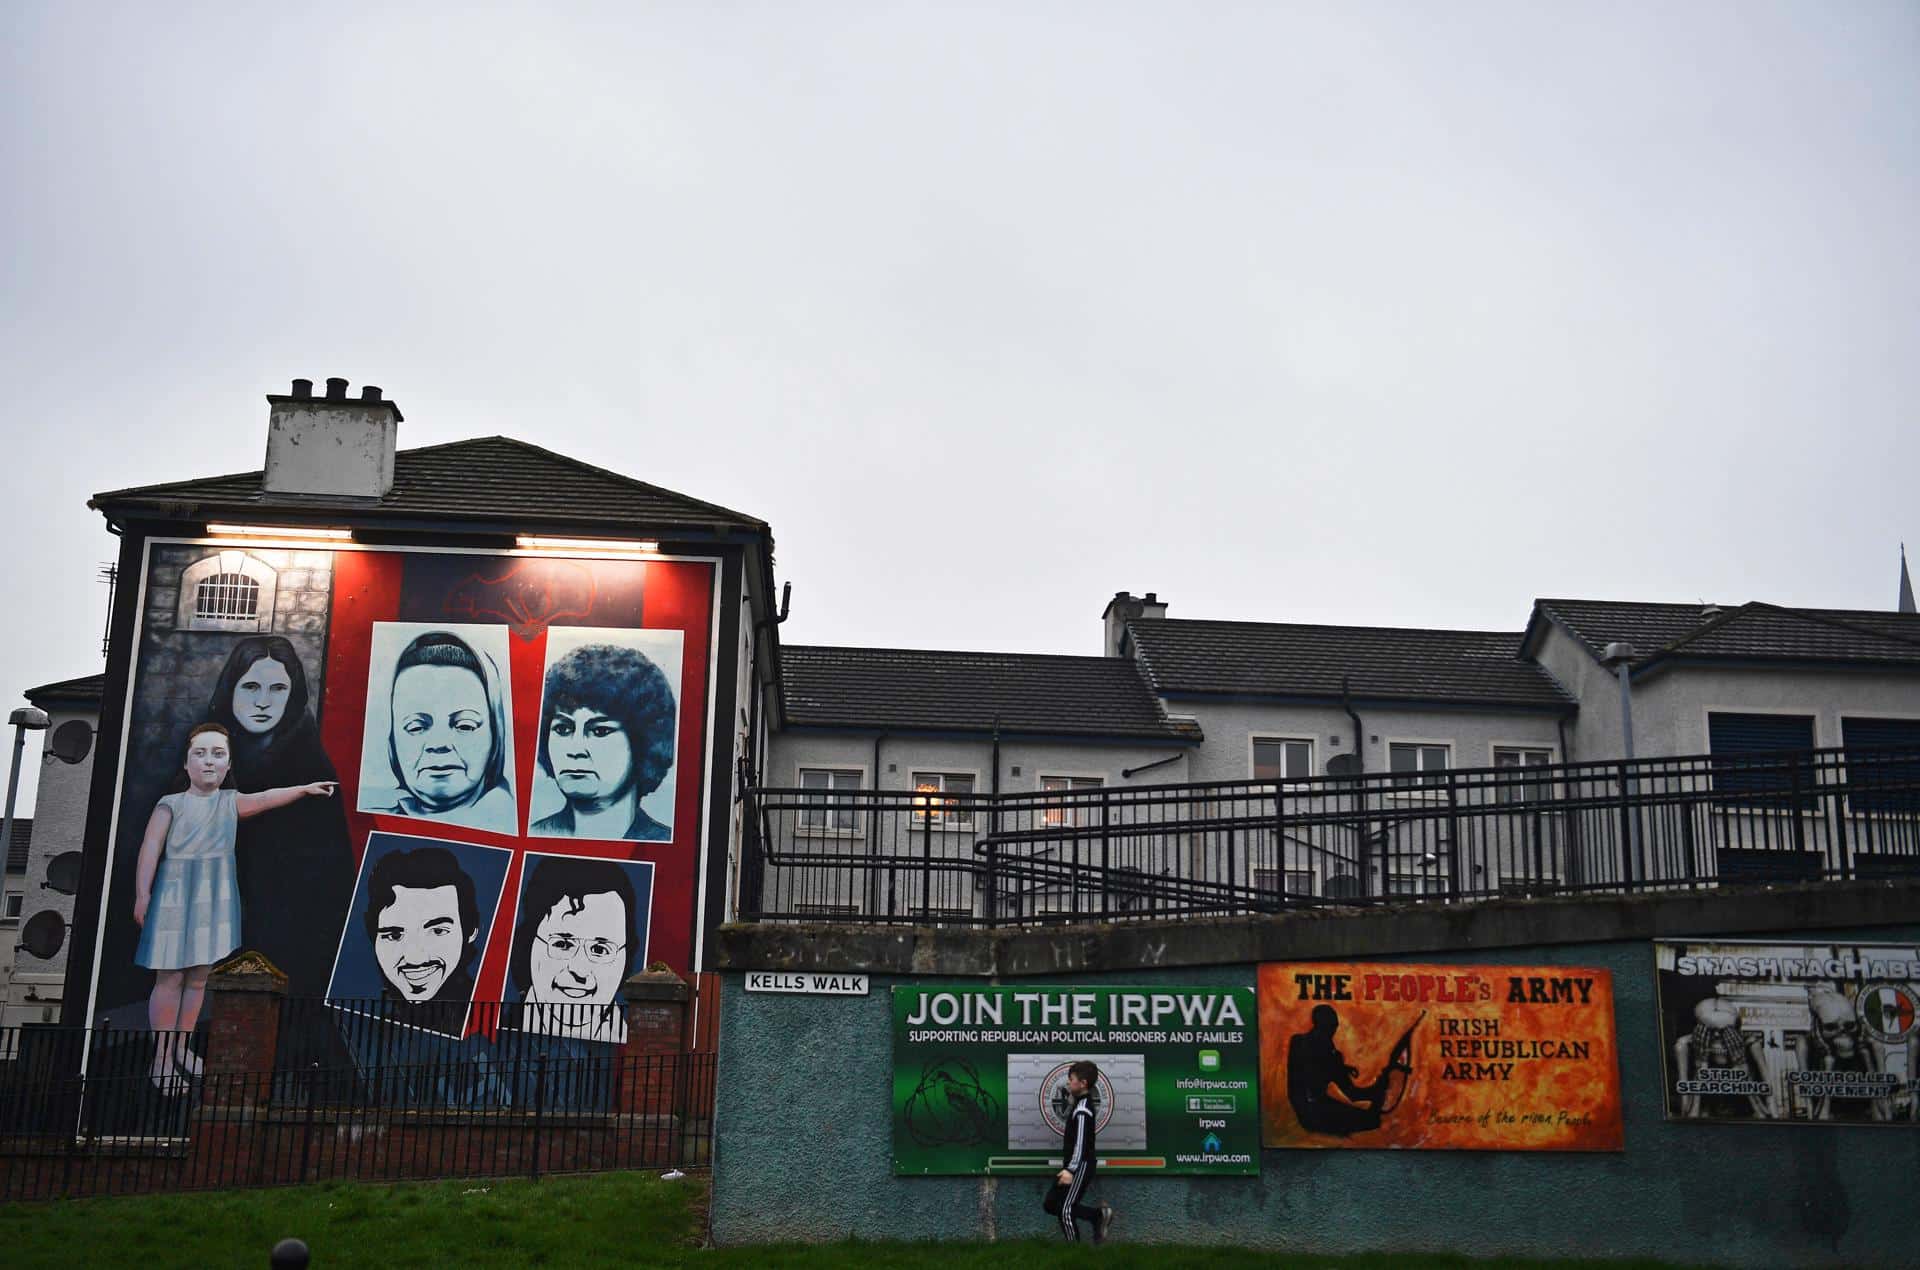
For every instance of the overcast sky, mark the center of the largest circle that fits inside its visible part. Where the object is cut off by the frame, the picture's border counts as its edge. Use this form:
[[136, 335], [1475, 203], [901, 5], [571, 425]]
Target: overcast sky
[[1370, 313]]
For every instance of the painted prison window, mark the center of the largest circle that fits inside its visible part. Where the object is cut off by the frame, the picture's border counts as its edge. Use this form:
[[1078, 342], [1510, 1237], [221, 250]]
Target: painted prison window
[[1070, 812], [1762, 746], [1410, 757], [227, 597], [1278, 759], [828, 813], [1520, 790], [1882, 780], [226, 591], [942, 811], [14, 903]]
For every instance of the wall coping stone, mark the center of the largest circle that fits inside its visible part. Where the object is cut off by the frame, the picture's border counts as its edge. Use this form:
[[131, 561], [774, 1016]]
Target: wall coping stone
[[248, 971], [1313, 934], [654, 985]]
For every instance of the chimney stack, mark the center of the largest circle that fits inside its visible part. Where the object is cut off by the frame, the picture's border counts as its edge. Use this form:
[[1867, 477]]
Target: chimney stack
[[331, 445], [1120, 610]]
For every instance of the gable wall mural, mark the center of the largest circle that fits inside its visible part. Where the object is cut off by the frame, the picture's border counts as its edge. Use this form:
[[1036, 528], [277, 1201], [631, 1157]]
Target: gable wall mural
[[454, 793]]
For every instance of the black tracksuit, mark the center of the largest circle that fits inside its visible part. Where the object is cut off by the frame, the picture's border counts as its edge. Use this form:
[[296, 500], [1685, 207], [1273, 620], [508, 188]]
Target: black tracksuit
[[1063, 1201]]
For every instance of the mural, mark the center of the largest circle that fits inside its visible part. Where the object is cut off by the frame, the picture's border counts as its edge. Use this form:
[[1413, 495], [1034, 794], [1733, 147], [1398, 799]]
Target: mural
[[606, 766], [436, 744], [1756, 1032], [441, 790], [1438, 1057]]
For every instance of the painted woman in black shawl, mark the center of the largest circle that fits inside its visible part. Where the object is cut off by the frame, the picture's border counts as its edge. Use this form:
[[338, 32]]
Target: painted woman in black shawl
[[295, 864]]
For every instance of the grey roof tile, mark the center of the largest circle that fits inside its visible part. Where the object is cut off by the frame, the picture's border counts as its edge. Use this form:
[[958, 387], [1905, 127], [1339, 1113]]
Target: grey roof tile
[[492, 479], [956, 691], [1752, 631], [1286, 659]]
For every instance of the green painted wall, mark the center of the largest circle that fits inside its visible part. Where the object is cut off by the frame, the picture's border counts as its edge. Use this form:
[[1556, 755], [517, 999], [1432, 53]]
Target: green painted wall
[[803, 1152]]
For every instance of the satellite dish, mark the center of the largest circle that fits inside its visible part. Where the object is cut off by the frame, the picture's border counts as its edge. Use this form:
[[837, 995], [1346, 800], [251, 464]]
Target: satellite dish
[[1343, 765], [43, 934], [1342, 886], [63, 873], [71, 741]]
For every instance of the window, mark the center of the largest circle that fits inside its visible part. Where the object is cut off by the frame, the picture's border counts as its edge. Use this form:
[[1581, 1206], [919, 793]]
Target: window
[[1509, 790], [1882, 782], [1297, 881], [1755, 736], [1068, 811], [11, 912], [948, 810], [1281, 759], [826, 813], [1408, 756]]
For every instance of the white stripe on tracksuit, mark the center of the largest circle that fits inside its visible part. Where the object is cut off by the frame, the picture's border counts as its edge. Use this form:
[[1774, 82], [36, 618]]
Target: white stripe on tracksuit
[[1078, 1164]]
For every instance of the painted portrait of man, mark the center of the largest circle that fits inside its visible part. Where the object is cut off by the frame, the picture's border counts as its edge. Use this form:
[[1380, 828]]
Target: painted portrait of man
[[580, 931], [413, 944]]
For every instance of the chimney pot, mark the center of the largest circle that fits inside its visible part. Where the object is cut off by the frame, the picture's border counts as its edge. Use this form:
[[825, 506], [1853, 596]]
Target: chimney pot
[[369, 393], [336, 388], [303, 388]]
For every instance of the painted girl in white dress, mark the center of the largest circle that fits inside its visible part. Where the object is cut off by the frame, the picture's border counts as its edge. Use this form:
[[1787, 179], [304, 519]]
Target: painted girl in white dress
[[186, 893]]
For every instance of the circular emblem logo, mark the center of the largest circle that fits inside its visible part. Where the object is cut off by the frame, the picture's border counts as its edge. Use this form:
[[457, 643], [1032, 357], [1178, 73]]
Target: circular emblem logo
[[1888, 1012], [1056, 1103]]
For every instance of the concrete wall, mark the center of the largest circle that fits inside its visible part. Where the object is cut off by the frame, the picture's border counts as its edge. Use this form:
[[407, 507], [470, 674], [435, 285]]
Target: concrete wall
[[803, 1152]]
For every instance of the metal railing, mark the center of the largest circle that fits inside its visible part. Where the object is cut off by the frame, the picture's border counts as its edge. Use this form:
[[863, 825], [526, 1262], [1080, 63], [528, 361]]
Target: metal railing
[[1158, 851], [525, 1107]]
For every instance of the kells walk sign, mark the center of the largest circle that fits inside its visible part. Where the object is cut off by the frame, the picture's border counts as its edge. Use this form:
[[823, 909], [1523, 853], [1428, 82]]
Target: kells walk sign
[[979, 1078]]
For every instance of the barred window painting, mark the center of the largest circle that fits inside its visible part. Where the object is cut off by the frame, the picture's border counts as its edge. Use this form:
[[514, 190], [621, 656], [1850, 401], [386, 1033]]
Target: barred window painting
[[227, 597]]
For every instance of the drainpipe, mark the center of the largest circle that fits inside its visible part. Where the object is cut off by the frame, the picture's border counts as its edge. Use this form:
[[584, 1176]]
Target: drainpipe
[[1359, 738], [1359, 769]]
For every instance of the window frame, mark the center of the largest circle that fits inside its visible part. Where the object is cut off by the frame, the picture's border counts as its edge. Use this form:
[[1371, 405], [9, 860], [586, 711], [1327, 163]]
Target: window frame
[[1867, 804], [1060, 817], [943, 821], [1254, 740], [1509, 796], [12, 907], [1415, 784], [852, 830]]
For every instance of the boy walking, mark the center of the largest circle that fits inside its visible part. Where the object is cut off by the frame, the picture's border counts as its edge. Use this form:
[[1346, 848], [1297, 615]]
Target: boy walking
[[1077, 1161]]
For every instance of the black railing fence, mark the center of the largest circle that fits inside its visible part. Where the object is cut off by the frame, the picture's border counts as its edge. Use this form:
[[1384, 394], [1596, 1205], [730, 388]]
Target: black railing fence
[[396, 1104], [1156, 851]]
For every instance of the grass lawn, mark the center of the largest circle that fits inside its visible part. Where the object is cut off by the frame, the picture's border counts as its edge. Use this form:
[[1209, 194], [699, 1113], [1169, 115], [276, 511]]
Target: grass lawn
[[620, 1219]]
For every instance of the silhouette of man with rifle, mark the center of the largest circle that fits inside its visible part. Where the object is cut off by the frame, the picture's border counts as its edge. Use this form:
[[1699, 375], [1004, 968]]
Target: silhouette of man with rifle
[[1314, 1064]]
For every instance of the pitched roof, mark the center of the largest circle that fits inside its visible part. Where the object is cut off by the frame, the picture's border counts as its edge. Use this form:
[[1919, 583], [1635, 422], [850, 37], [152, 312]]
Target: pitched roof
[[17, 848], [1752, 631], [489, 479], [966, 692], [1284, 659], [84, 689]]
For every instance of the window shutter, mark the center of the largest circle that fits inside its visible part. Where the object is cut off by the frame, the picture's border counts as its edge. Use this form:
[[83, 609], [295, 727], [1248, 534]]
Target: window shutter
[[1741, 733]]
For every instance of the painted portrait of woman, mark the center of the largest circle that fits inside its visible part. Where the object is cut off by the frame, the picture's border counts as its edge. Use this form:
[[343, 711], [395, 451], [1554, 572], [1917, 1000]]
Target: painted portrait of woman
[[607, 724], [295, 866], [446, 744]]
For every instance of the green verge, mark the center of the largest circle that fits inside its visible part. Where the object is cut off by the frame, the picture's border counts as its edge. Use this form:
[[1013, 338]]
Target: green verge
[[613, 1219]]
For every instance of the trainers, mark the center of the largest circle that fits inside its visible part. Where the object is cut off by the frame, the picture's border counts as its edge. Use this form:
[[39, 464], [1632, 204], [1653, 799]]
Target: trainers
[[1104, 1224]]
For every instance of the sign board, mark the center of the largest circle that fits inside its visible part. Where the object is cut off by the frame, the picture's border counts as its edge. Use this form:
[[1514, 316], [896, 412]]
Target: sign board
[[979, 1077], [811, 984], [1810, 1033], [1499, 1058]]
